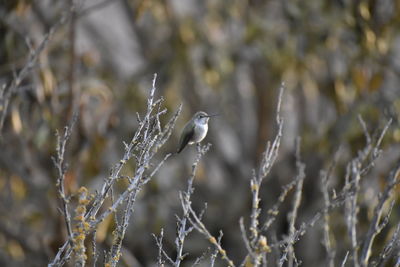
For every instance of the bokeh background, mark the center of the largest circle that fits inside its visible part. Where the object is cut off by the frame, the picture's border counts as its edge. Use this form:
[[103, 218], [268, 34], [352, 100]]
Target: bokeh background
[[338, 59]]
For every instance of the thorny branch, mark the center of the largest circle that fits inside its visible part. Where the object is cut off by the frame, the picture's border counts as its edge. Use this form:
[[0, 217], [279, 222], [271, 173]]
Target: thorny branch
[[257, 242], [389, 248], [194, 218], [183, 228], [148, 138], [327, 241], [257, 246], [61, 170], [376, 225], [7, 92], [296, 204]]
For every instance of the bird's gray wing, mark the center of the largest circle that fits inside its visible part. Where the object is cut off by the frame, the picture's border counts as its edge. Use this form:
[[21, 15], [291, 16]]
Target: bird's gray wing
[[185, 138]]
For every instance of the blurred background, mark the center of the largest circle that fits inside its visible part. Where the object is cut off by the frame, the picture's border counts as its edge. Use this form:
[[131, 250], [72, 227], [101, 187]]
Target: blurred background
[[338, 59]]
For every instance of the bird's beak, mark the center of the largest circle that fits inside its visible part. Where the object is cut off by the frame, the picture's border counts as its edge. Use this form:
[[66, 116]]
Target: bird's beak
[[213, 115]]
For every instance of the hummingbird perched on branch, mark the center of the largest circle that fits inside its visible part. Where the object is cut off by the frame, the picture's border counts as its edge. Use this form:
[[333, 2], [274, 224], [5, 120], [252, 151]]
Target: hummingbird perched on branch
[[195, 130]]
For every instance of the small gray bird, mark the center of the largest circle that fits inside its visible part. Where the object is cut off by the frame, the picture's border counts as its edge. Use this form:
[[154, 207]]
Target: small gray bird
[[195, 130]]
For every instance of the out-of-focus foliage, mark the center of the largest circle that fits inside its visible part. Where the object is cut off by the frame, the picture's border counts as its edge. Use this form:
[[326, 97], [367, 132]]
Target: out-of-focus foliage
[[338, 59]]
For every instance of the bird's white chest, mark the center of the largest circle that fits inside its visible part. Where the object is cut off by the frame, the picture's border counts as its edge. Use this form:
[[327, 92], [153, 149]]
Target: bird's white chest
[[200, 132]]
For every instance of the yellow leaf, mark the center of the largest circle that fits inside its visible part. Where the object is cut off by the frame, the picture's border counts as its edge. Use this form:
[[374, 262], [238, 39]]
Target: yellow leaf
[[48, 81], [375, 82], [359, 78], [16, 120], [22, 8], [364, 10], [396, 135], [15, 250], [18, 187]]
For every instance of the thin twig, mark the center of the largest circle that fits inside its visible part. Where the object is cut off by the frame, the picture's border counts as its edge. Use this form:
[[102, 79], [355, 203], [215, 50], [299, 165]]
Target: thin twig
[[183, 230], [345, 259], [325, 177], [193, 217], [161, 251], [374, 228], [143, 148], [61, 170], [268, 160], [28, 66], [296, 203], [389, 247]]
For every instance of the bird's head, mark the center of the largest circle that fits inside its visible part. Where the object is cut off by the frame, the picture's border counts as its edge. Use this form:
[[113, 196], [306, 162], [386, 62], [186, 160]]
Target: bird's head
[[201, 117]]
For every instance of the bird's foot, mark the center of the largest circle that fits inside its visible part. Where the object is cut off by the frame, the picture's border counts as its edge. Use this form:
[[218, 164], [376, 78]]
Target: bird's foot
[[198, 147]]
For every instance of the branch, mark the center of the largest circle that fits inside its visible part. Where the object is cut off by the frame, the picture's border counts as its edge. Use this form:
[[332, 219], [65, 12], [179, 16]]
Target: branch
[[325, 177], [30, 63], [61, 170], [143, 147], [296, 203], [193, 217], [389, 247], [374, 228]]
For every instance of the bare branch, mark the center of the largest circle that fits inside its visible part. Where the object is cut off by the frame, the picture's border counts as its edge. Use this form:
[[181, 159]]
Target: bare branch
[[353, 182], [345, 259], [374, 228], [61, 170], [274, 211], [183, 230], [161, 251], [296, 202], [29, 65], [143, 147], [325, 177], [193, 217], [389, 247]]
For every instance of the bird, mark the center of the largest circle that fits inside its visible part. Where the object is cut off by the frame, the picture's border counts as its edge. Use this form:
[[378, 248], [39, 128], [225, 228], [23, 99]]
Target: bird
[[195, 130]]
